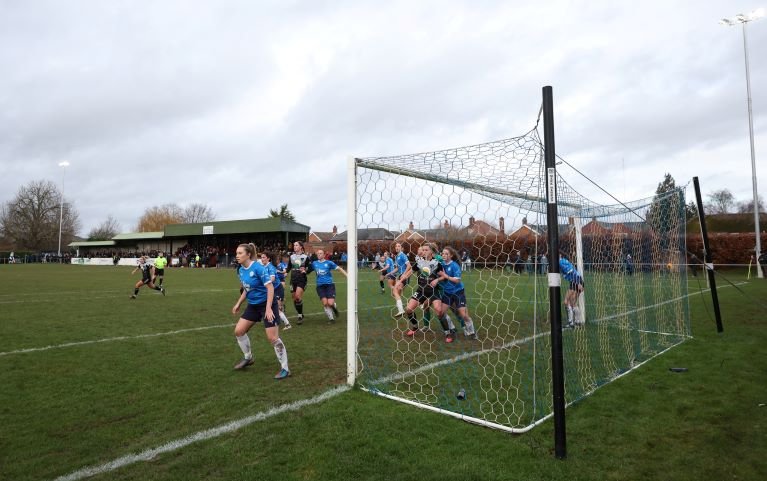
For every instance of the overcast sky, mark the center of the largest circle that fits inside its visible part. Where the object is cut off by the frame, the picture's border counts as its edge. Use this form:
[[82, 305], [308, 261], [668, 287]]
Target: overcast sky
[[246, 105]]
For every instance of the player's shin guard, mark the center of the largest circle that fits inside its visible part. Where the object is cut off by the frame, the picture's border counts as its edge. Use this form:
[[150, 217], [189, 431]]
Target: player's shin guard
[[281, 353], [135, 291], [468, 326], [400, 308], [244, 342], [382, 285], [163, 278], [455, 311], [329, 313], [299, 305], [427, 317], [569, 314], [284, 318], [413, 320], [445, 324]]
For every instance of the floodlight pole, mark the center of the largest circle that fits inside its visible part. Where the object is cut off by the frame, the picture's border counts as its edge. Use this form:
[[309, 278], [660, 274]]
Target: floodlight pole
[[64, 166], [743, 20], [555, 281]]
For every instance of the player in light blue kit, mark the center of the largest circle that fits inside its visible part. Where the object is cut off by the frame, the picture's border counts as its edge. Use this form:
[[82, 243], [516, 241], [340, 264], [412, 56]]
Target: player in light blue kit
[[453, 293], [401, 264], [571, 275], [385, 265], [258, 289], [325, 287], [279, 286]]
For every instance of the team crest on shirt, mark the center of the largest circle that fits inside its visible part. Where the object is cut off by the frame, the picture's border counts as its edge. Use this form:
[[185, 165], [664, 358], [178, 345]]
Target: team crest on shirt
[[252, 274]]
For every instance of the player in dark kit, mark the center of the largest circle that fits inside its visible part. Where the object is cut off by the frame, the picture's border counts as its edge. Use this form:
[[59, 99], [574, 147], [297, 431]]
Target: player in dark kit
[[427, 269], [146, 277], [299, 267]]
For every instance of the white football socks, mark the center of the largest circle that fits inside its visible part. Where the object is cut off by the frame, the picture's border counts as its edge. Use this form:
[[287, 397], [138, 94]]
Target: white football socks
[[244, 342], [282, 353]]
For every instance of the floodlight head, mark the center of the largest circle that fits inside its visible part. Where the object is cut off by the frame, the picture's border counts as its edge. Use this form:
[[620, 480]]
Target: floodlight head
[[741, 18], [727, 22], [64, 164]]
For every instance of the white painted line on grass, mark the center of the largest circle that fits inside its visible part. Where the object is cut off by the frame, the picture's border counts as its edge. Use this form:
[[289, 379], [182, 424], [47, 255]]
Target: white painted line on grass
[[111, 339], [150, 454], [232, 426], [138, 336], [124, 294]]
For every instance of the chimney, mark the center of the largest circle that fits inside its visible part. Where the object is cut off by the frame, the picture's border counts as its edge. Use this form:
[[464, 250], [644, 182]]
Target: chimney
[[447, 224], [524, 220], [471, 221], [502, 225], [411, 226], [335, 230]]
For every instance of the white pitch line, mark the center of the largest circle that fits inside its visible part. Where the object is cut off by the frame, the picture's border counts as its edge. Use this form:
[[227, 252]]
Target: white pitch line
[[140, 336], [229, 427], [112, 339], [232, 426], [46, 298]]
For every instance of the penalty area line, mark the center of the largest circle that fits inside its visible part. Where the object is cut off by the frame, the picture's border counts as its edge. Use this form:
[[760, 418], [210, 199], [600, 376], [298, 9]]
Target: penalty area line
[[205, 435]]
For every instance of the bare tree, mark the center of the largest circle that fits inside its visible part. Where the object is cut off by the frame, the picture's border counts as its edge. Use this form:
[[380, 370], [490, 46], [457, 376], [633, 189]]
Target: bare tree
[[157, 217], [284, 213], [720, 201], [105, 231], [31, 219], [691, 210], [747, 206], [195, 213]]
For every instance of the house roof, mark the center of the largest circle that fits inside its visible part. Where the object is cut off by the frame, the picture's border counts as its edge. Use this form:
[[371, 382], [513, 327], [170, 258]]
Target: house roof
[[375, 233], [323, 236]]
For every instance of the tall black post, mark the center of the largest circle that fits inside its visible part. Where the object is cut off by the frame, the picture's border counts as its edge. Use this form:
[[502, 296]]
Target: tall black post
[[707, 257], [555, 305]]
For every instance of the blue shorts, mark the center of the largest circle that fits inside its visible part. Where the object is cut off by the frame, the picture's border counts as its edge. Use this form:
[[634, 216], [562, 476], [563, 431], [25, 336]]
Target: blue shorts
[[257, 312], [279, 292], [457, 299], [577, 284], [326, 291]]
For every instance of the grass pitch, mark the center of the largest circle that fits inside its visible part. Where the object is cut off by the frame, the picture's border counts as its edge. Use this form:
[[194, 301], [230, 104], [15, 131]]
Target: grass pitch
[[89, 376]]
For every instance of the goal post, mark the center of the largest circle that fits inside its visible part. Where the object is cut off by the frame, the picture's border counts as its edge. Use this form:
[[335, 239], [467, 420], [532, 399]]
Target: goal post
[[352, 271], [478, 344]]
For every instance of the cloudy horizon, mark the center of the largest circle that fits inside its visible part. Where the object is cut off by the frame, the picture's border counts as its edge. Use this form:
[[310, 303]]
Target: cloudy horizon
[[244, 106]]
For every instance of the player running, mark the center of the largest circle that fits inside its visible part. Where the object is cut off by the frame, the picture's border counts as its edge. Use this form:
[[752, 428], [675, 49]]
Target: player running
[[575, 278], [279, 288], [258, 289], [146, 277], [299, 266], [325, 287], [453, 293]]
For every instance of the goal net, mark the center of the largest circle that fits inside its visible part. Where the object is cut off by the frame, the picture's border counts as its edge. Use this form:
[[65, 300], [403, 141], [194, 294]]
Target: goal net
[[477, 344]]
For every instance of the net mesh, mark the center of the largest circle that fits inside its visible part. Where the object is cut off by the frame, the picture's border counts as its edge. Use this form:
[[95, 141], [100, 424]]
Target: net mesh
[[487, 201]]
